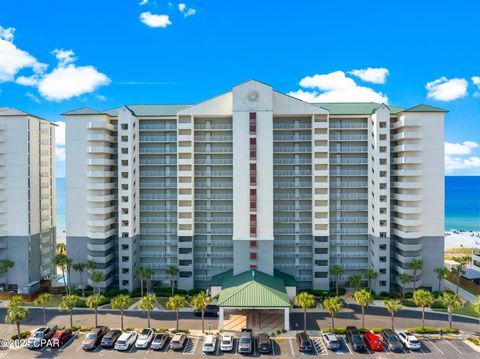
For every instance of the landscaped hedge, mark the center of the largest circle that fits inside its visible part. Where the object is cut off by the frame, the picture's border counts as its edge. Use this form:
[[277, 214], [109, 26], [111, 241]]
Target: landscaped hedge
[[23, 335], [409, 303], [167, 292], [437, 304], [338, 331], [195, 291], [431, 330], [474, 340]]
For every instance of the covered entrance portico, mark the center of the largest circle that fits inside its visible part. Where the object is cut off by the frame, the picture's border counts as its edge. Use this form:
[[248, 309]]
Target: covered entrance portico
[[254, 299]]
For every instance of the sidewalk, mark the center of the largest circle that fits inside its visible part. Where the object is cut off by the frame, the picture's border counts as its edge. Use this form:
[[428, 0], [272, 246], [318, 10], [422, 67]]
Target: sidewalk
[[462, 292]]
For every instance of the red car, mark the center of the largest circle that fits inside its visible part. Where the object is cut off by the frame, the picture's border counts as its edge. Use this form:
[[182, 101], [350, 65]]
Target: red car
[[373, 342], [60, 337]]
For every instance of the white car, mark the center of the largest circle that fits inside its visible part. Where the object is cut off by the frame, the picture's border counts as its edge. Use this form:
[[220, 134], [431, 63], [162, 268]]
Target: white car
[[145, 338], [226, 345], [331, 341], [209, 344], [408, 340], [125, 341]]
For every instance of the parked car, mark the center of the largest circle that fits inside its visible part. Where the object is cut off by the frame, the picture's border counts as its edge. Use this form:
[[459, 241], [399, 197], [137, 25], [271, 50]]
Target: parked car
[[211, 310], [40, 337], [304, 342], [94, 338], [373, 342], [331, 341], [178, 341], [391, 340], [125, 341], [60, 338], [226, 345], [144, 339], [264, 344], [209, 344], [355, 338], [408, 340], [159, 341], [245, 343], [109, 339]]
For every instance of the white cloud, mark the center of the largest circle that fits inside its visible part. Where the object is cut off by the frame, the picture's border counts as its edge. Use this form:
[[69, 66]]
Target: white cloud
[[453, 164], [336, 87], [100, 98], [7, 33], [476, 82], [32, 97], [60, 133], [373, 75], [153, 20], [182, 7], [64, 57], [60, 153], [444, 89], [70, 81], [143, 2], [464, 148], [13, 59]]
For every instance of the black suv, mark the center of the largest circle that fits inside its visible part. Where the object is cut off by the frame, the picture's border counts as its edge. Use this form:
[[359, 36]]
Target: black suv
[[356, 339], [304, 342], [263, 343], [391, 339]]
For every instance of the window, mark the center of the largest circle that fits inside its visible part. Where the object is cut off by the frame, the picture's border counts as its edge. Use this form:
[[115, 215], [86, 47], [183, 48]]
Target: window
[[125, 247], [253, 255], [253, 123], [253, 199], [184, 250], [253, 225], [321, 274], [253, 244], [124, 126], [253, 148], [184, 263], [321, 250], [253, 267], [321, 263]]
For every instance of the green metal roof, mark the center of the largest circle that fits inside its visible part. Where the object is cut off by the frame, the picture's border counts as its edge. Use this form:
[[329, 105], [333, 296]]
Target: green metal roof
[[83, 111], [425, 108], [253, 289], [354, 108], [151, 110]]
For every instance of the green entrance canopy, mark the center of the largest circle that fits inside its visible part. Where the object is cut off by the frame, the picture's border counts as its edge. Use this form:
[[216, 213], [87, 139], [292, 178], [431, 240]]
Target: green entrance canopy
[[252, 289]]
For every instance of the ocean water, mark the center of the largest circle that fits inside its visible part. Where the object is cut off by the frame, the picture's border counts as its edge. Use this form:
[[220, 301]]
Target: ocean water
[[462, 203]]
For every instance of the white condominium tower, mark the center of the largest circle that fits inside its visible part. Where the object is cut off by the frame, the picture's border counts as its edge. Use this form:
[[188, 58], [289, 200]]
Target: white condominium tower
[[256, 179], [27, 198]]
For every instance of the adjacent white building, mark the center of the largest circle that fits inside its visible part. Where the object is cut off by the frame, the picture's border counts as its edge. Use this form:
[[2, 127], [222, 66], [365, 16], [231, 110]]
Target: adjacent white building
[[27, 197], [254, 179]]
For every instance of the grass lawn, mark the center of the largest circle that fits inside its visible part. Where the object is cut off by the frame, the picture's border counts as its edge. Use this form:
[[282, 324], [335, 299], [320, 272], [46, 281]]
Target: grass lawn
[[54, 302], [467, 309], [162, 301], [132, 301]]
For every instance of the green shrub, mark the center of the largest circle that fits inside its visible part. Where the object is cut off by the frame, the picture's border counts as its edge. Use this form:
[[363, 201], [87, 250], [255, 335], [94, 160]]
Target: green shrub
[[272, 334], [161, 330], [426, 330], [363, 330], [376, 330], [447, 330], [279, 332], [112, 293], [136, 293], [180, 330], [408, 295], [474, 340], [338, 331], [124, 292], [23, 335], [81, 304], [128, 329], [195, 291], [284, 331], [85, 329], [437, 304], [167, 292], [409, 303], [385, 295]]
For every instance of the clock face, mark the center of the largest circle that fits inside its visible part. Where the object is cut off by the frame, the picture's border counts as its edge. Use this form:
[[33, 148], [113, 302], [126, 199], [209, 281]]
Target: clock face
[[252, 96]]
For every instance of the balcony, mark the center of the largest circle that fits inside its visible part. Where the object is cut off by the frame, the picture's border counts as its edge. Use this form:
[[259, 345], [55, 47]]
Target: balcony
[[158, 196], [98, 125], [358, 149], [349, 219], [292, 254], [348, 254], [100, 137], [407, 209], [100, 247], [292, 173], [104, 198], [158, 150], [213, 196], [157, 231], [292, 138], [158, 161], [348, 173], [100, 174], [100, 162], [404, 234], [158, 138], [100, 222], [226, 149], [292, 161], [349, 161], [406, 160], [408, 247], [407, 197], [144, 219], [406, 123], [146, 185], [407, 135], [344, 184], [292, 184], [286, 196], [407, 185], [214, 173], [291, 126], [158, 173], [406, 148], [348, 196], [101, 234], [213, 138], [213, 126], [348, 138], [158, 127], [281, 231], [353, 208], [349, 230], [298, 149], [101, 210], [407, 222], [347, 126], [405, 173], [100, 149]]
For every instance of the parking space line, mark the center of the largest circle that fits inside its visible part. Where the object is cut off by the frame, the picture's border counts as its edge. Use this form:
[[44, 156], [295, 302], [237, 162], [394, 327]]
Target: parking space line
[[291, 347], [272, 344], [435, 346], [217, 343], [348, 348], [453, 346]]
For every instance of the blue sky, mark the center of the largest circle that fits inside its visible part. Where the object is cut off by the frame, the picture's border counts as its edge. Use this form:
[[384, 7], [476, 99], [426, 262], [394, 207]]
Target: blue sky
[[59, 55]]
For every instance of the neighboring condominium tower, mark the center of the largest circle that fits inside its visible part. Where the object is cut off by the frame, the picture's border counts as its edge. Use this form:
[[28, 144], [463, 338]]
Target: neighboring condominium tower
[[27, 198], [256, 179]]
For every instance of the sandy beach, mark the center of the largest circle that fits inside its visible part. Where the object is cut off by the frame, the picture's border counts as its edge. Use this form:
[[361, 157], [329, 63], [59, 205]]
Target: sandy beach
[[462, 239]]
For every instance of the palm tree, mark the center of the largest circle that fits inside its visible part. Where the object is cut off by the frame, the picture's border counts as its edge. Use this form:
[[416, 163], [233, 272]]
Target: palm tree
[[305, 301], [423, 298], [80, 268], [68, 303], [371, 275], [5, 266], [404, 279], [93, 302], [355, 281], [441, 275], [416, 265], [91, 265], [337, 271], [200, 302], [147, 304], [458, 270], [61, 248], [476, 307], [96, 278], [143, 274], [172, 271], [16, 313], [452, 302], [332, 306], [42, 301], [60, 261], [393, 306], [68, 267], [175, 303], [121, 302], [363, 298]]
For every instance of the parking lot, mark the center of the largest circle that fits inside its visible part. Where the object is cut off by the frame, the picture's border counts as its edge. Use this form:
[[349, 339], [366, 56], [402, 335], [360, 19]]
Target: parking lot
[[281, 348]]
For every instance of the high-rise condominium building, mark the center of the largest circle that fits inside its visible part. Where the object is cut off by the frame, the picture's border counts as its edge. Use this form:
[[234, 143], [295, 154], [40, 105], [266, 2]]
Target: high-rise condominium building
[[27, 198], [256, 179]]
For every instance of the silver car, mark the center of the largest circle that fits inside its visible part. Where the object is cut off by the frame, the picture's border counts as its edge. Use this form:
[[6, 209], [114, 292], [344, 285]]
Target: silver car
[[331, 341]]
